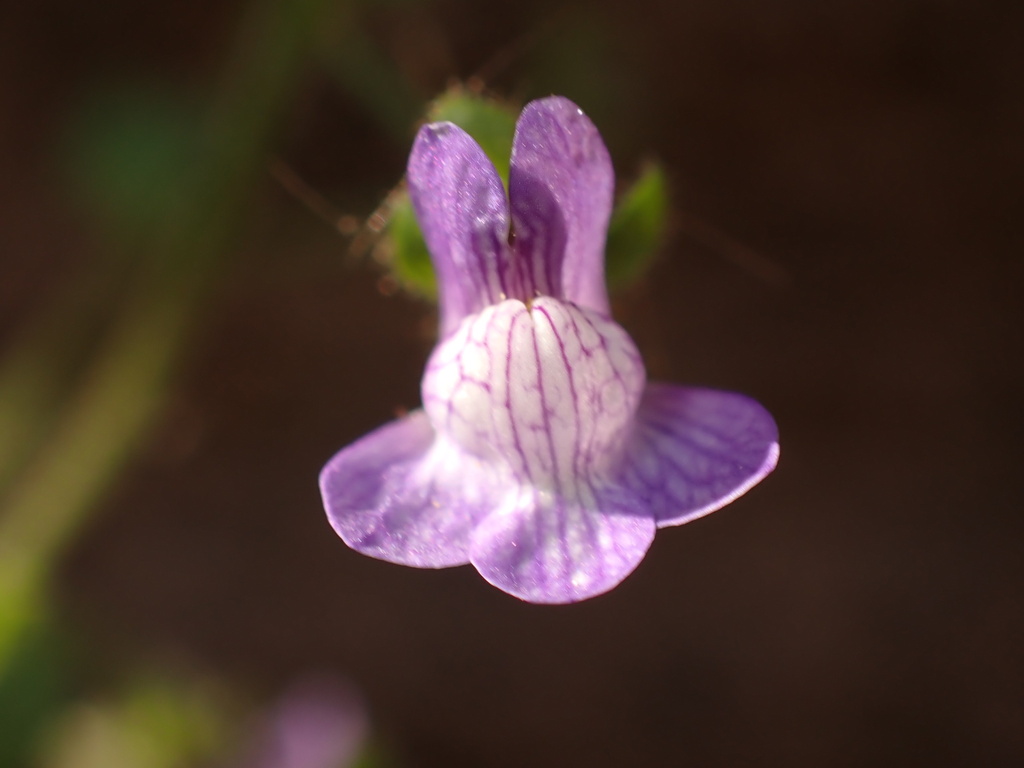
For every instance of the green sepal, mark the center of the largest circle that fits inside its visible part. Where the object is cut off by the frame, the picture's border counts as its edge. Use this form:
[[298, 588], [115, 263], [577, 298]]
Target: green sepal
[[404, 250], [491, 123], [637, 228]]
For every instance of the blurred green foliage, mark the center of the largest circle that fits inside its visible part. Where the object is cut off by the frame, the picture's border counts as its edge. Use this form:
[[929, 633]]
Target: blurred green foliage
[[128, 154], [167, 186], [156, 723], [34, 687]]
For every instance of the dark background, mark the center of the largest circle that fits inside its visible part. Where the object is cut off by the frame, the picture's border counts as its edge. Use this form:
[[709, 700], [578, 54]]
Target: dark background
[[846, 248]]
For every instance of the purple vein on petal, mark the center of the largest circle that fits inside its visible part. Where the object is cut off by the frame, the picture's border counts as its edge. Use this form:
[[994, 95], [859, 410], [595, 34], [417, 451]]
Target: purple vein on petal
[[400, 494], [545, 411], [695, 450], [560, 187], [567, 367], [509, 390], [546, 548], [463, 212]]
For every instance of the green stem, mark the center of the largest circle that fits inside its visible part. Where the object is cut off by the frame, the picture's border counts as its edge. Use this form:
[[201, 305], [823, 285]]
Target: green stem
[[123, 389], [114, 405]]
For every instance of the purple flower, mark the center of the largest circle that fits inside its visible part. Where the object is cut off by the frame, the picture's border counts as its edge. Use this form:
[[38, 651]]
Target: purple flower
[[320, 722], [542, 456]]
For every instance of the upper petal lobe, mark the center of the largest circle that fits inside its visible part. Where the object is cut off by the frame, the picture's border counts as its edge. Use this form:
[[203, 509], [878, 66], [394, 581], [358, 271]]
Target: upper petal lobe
[[561, 183], [462, 209]]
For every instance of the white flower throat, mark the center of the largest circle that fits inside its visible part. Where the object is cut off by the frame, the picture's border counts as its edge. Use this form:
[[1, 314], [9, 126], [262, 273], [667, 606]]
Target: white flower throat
[[548, 389]]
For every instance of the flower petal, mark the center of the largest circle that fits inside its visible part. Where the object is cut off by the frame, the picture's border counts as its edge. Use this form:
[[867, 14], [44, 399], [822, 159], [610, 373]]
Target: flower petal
[[461, 207], [400, 494], [560, 186], [544, 548], [696, 450]]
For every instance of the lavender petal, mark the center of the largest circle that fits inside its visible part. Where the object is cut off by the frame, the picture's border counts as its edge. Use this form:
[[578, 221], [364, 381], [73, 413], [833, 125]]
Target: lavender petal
[[545, 548], [561, 182], [461, 207], [402, 495], [695, 450]]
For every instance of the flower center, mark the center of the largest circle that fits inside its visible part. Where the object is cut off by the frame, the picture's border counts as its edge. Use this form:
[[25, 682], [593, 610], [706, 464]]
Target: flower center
[[548, 389]]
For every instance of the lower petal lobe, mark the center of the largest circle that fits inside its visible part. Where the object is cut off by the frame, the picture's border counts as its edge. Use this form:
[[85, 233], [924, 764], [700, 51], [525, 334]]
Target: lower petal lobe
[[402, 495], [695, 450], [545, 548]]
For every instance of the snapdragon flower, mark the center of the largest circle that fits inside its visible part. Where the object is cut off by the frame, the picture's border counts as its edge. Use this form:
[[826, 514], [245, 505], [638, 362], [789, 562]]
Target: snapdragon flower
[[541, 455]]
